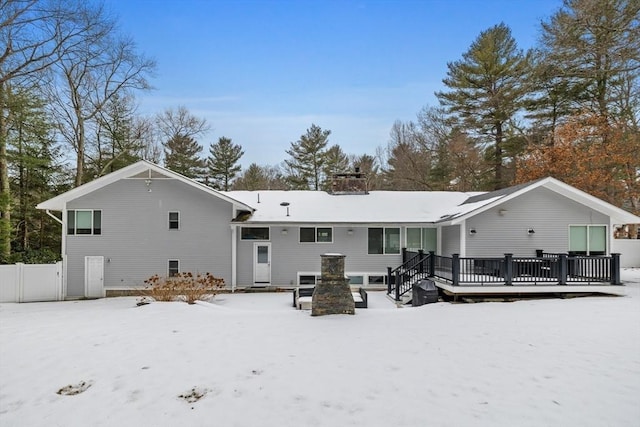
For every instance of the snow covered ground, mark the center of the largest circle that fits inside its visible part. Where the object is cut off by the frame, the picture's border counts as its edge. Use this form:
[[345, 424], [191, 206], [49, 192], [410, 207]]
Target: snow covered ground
[[253, 360]]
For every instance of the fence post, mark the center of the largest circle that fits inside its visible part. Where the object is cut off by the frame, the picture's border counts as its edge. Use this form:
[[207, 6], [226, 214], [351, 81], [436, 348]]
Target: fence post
[[615, 269], [562, 269], [539, 253], [421, 258], [508, 269], [19, 282], [389, 276], [432, 263], [455, 269]]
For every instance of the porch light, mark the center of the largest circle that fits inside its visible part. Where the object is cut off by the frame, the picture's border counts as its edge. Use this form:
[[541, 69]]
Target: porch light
[[472, 231], [147, 182], [350, 232], [531, 231], [284, 231]]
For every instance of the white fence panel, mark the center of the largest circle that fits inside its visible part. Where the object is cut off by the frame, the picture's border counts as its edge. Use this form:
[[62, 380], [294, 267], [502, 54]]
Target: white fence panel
[[31, 282], [9, 283], [629, 250]]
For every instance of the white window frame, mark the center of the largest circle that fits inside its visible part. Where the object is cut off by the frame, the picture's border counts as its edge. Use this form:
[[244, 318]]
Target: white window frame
[[75, 227], [169, 267], [384, 239], [170, 221], [256, 240], [588, 226], [315, 235]]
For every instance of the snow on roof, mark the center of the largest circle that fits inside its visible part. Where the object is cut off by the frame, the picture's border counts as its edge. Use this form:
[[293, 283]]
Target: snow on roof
[[374, 207]]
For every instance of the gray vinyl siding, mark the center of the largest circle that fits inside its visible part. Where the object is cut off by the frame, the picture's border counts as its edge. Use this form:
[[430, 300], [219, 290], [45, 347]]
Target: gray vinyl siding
[[288, 256], [136, 241], [450, 240], [547, 212]]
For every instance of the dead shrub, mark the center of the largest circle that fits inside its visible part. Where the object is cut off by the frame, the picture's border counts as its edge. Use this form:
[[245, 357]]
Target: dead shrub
[[183, 286]]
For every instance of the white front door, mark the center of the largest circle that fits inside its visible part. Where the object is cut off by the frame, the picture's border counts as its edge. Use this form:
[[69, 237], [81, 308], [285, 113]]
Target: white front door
[[262, 262], [94, 276]]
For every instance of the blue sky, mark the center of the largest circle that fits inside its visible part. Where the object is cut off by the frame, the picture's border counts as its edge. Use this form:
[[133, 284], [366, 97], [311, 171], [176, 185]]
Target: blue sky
[[261, 72]]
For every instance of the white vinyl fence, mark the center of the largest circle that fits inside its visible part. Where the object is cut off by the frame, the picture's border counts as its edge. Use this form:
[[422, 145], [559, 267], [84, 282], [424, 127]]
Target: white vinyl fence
[[31, 282], [629, 250]]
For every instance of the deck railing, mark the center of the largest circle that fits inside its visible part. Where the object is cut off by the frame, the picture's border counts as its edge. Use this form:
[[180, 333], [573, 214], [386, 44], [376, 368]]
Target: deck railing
[[543, 269]]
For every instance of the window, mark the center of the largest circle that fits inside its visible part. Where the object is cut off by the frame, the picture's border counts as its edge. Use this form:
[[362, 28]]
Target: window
[[316, 235], [307, 280], [421, 238], [254, 233], [588, 239], [356, 280], [377, 280], [384, 240], [87, 222], [174, 267], [174, 220]]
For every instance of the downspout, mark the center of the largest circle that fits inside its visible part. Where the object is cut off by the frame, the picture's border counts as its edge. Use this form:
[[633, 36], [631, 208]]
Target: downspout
[[63, 248]]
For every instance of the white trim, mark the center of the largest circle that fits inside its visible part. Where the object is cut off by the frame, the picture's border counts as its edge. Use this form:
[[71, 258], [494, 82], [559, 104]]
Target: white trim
[[169, 221], [255, 260], [59, 202], [561, 188], [234, 257], [168, 266]]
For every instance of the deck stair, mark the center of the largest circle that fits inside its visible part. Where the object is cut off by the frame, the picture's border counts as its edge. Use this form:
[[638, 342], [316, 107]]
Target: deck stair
[[400, 280]]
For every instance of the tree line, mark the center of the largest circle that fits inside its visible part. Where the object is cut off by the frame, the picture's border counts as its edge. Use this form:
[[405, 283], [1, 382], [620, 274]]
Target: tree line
[[568, 108]]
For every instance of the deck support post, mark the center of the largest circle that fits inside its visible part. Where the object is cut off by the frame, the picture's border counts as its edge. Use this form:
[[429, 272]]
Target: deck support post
[[432, 263], [539, 253], [615, 269], [562, 269], [508, 269], [455, 269]]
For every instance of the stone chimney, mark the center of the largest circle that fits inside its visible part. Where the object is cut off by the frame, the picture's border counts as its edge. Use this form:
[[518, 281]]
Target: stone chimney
[[333, 294], [349, 183]]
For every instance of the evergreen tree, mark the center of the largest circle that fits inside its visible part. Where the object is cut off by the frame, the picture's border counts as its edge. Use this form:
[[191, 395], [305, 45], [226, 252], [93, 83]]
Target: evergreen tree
[[308, 157], [222, 163], [487, 89], [591, 54], [182, 155], [260, 178], [336, 162], [33, 173]]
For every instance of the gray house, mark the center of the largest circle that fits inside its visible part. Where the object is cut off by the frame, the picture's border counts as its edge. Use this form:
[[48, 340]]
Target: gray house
[[143, 220]]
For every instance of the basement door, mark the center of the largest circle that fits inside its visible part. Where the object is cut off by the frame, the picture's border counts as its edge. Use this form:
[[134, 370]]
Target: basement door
[[94, 276], [262, 263]]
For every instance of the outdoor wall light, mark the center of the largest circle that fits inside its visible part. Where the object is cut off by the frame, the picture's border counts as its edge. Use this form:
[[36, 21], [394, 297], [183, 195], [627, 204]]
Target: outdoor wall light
[[501, 212], [472, 231], [531, 231], [350, 232], [147, 182], [284, 231]]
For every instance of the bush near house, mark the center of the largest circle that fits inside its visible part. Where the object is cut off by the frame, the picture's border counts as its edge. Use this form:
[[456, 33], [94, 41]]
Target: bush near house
[[186, 287]]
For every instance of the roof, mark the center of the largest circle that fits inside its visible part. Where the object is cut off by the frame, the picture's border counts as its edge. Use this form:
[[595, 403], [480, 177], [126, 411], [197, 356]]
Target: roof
[[376, 207], [383, 207], [141, 169]]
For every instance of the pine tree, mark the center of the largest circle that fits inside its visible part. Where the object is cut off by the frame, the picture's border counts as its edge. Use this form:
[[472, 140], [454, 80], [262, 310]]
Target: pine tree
[[182, 155], [487, 89], [336, 162], [308, 157], [222, 163]]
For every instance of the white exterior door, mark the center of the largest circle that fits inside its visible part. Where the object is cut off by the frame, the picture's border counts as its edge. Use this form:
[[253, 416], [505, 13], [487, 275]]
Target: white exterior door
[[94, 276], [262, 262]]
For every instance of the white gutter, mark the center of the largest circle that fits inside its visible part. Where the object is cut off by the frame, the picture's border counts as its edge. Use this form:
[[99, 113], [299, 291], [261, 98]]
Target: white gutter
[[234, 257]]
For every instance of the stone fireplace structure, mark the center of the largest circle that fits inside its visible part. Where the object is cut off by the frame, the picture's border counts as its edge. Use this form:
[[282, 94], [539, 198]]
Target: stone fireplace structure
[[332, 295]]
